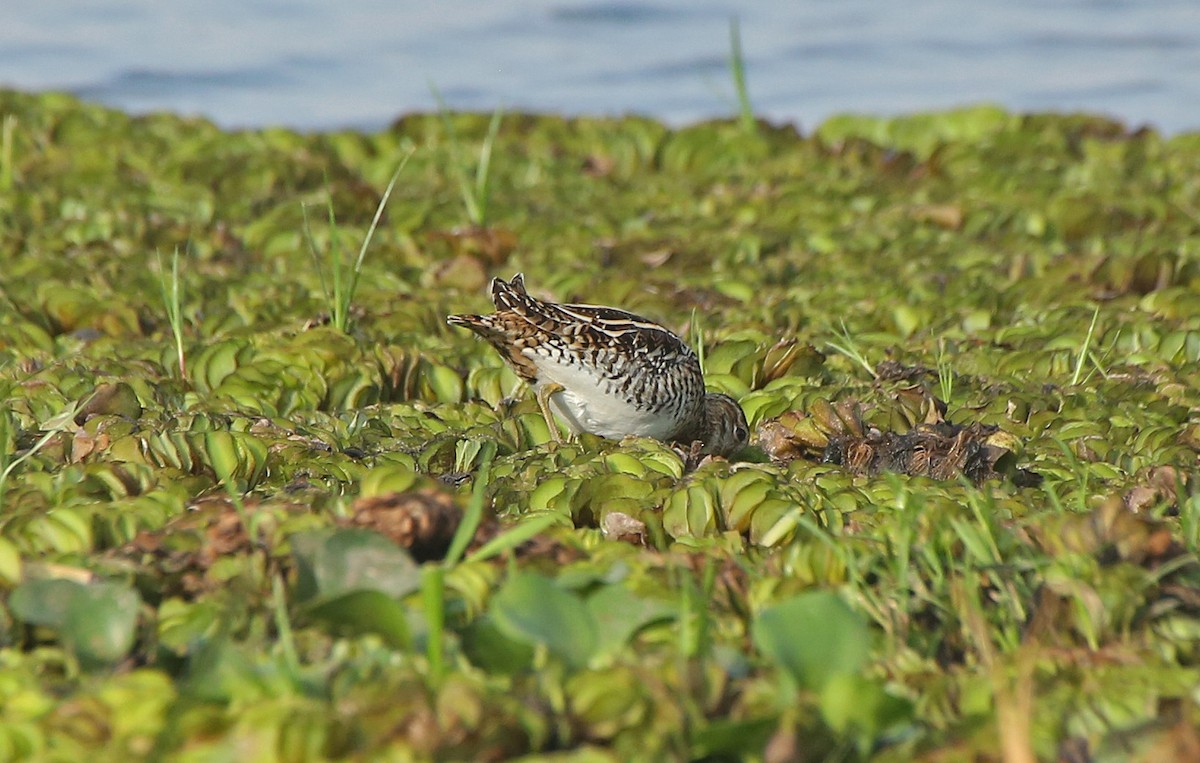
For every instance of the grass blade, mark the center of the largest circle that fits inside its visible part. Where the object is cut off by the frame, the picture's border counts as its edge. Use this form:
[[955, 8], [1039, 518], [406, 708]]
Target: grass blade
[[514, 536], [62, 422], [171, 294], [340, 303], [1083, 351], [474, 512], [340, 285], [483, 184], [849, 348], [362, 251], [7, 129], [433, 601], [476, 194], [312, 248], [737, 67]]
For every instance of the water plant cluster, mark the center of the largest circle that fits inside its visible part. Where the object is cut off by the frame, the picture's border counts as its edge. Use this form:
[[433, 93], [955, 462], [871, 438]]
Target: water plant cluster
[[258, 502]]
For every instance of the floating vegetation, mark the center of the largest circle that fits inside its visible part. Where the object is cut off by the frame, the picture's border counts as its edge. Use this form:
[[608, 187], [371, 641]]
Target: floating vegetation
[[257, 507], [923, 445]]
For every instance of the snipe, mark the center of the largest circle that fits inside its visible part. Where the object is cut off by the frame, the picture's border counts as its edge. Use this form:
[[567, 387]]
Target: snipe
[[606, 371]]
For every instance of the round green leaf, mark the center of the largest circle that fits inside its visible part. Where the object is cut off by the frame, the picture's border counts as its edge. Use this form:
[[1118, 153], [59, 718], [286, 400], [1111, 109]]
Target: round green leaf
[[620, 613], [815, 637], [532, 609], [100, 623], [331, 562], [45, 602], [365, 612]]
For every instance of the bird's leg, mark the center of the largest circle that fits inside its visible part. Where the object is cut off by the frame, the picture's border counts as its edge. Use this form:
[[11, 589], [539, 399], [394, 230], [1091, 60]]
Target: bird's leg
[[543, 399]]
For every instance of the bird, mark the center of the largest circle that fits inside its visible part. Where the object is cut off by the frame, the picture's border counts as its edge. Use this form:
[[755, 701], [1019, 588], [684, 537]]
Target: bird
[[607, 371]]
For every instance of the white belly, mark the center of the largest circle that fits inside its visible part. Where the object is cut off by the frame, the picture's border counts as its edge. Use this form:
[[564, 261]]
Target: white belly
[[609, 416], [591, 403]]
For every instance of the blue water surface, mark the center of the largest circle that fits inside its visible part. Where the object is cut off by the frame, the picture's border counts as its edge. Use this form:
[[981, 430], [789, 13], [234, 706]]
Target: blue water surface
[[360, 63]]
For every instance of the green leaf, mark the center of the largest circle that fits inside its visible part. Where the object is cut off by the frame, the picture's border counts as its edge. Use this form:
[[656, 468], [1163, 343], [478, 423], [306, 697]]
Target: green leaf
[[489, 648], [44, 602], [218, 672], [183, 624], [252, 456], [815, 637], [364, 611], [532, 609], [332, 562], [215, 363], [853, 702], [387, 479], [101, 623], [619, 614], [95, 621], [10, 560], [732, 737], [222, 455]]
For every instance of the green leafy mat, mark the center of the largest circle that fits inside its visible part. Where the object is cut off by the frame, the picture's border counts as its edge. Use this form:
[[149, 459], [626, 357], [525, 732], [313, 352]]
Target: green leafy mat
[[199, 560]]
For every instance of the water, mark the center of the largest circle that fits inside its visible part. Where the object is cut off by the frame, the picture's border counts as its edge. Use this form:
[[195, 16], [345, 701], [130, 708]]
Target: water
[[360, 63]]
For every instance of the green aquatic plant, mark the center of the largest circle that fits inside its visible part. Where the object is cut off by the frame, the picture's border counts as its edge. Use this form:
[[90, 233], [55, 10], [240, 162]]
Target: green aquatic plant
[[474, 189], [8, 127], [945, 373], [341, 282], [473, 515], [850, 348], [737, 69], [97, 620], [1189, 521], [265, 545], [433, 576], [283, 628], [822, 645], [53, 427], [1085, 349], [171, 292]]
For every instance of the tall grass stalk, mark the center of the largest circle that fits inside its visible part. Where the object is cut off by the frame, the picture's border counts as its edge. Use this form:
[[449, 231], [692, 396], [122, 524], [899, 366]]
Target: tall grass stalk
[[1082, 478], [1189, 519], [737, 67], [433, 576], [473, 514], [8, 128], [849, 348], [515, 536], [433, 600], [983, 507], [339, 288], [7, 441], [283, 627], [693, 644], [1012, 684], [1085, 349], [475, 192], [908, 508], [225, 470], [172, 299], [696, 330], [945, 373]]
